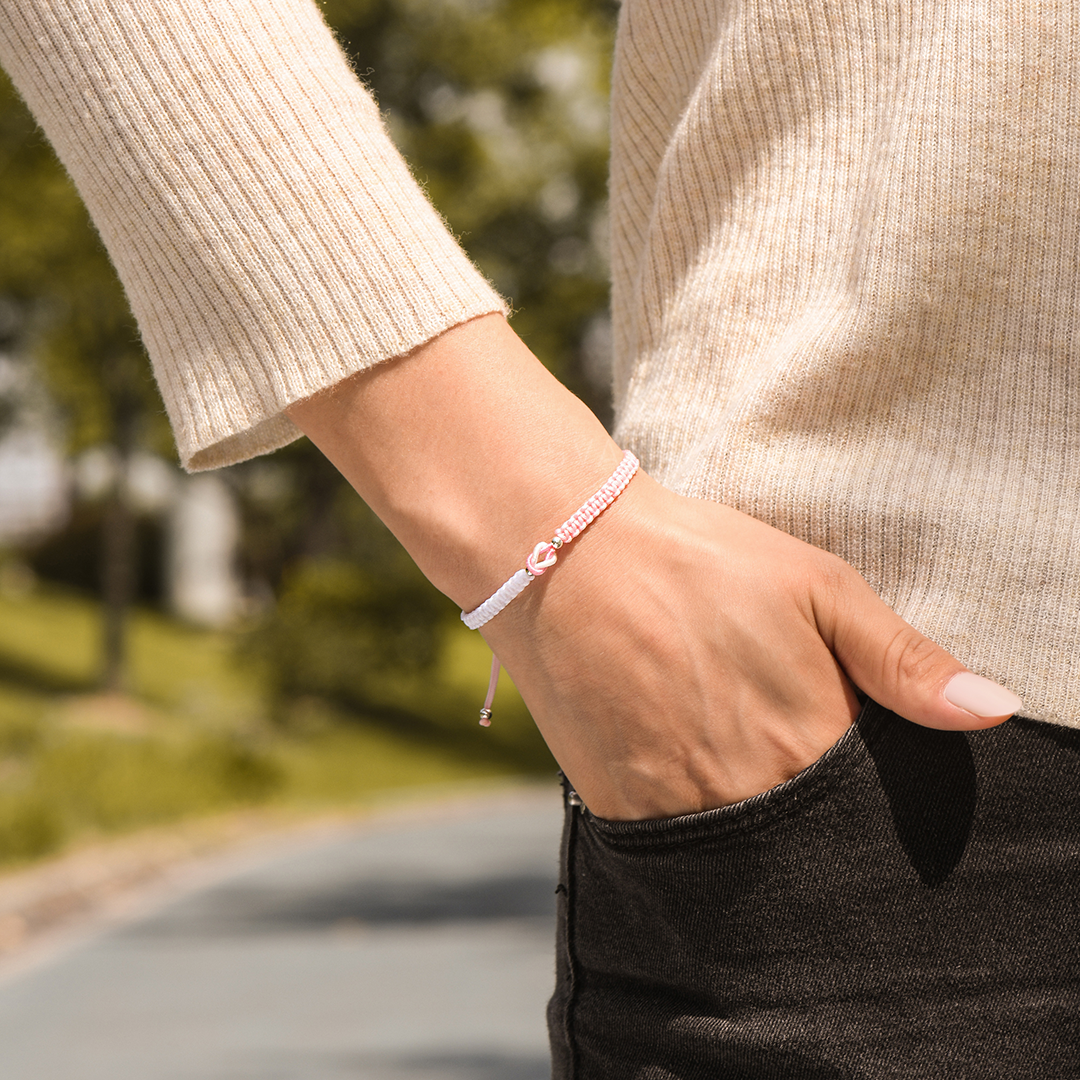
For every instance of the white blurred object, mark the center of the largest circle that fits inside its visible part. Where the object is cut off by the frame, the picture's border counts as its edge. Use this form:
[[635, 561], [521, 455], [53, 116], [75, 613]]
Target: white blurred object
[[204, 529], [34, 485], [95, 471], [152, 483]]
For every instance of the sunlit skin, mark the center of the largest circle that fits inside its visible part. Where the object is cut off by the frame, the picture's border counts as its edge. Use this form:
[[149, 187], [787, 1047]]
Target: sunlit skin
[[681, 655]]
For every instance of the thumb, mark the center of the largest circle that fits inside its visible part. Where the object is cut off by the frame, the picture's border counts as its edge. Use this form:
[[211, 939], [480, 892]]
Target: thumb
[[903, 670]]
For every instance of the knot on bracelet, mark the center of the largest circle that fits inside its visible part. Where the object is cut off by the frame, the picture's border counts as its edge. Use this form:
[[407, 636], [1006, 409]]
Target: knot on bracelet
[[542, 558]]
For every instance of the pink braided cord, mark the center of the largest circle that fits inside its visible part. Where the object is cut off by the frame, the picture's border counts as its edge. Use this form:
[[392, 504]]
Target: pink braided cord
[[594, 507]]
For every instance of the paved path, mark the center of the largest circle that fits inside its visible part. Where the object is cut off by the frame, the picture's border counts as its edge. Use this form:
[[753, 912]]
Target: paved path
[[395, 951]]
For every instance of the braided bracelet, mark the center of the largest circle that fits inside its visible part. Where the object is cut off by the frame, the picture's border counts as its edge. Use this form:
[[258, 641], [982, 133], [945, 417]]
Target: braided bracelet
[[543, 557]]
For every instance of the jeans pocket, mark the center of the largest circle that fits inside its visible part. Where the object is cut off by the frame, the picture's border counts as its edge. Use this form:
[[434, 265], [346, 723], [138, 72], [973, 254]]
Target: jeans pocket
[[664, 921]]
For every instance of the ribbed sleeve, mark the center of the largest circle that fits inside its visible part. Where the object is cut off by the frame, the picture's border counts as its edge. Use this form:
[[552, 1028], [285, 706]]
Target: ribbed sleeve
[[270, 238], [846, 296]]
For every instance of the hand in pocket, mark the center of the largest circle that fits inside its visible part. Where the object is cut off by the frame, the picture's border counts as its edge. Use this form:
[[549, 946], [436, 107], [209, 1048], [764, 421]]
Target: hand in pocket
[[687, 656]]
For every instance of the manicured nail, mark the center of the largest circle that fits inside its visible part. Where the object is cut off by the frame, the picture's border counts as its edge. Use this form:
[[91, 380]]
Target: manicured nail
[[980, 696]]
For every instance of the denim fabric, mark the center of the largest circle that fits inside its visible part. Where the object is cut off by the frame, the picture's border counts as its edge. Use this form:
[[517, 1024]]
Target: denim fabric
[[909, 906]]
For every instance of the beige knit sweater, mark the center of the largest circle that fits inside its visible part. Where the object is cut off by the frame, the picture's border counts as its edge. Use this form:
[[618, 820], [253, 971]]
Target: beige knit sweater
[[845, 265]]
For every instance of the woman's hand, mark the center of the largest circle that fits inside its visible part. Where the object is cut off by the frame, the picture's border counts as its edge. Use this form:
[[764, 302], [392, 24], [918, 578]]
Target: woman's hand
[[681, 656], [684, 656]]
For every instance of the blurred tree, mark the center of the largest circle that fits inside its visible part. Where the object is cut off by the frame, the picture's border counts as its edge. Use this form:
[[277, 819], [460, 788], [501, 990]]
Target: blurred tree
[[73, 318], [501, 108], [342, 622]]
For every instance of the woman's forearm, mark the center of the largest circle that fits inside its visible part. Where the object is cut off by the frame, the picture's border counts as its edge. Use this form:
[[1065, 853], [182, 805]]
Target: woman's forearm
[[468, 449]]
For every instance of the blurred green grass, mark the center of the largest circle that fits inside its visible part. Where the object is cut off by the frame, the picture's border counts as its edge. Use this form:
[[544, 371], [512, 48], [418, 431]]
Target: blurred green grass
[[192, 736]]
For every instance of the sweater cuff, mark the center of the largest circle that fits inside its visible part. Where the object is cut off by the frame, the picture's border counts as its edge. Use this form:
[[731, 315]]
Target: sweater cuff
[[269, 236]]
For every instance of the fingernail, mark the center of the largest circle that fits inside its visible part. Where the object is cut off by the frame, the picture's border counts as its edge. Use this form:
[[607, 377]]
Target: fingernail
[[980, 696]]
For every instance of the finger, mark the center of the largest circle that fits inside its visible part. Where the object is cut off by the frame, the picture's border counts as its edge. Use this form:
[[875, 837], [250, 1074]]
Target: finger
[[908, 673]]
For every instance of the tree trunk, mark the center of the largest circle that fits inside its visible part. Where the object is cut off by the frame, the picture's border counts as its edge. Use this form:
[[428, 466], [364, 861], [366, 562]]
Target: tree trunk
[[117, 578]]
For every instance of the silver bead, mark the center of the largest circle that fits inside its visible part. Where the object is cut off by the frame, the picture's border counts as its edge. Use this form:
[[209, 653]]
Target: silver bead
[[556, 543]]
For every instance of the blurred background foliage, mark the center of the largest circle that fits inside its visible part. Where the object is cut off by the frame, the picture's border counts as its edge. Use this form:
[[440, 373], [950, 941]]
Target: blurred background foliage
[[347, 671]]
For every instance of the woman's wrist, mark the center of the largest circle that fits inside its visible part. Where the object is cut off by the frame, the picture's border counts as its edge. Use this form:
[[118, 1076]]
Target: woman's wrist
[[468, 449]]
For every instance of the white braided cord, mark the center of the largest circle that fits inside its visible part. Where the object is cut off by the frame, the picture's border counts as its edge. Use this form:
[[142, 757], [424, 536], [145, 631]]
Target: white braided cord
[[494, 604]]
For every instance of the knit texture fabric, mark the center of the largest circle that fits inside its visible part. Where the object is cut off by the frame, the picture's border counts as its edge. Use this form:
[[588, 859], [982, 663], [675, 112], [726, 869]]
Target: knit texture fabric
[[270, 238], [846, 294], [845, 265]]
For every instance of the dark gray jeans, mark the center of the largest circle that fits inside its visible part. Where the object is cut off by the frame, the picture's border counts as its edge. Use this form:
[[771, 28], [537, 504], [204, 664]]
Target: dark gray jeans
[[909, 906]]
